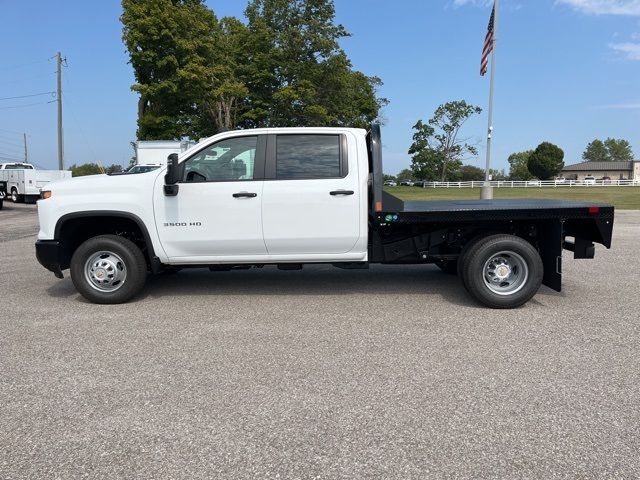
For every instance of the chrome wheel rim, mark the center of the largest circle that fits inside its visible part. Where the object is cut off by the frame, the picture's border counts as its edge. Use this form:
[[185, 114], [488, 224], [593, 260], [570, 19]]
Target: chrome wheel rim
[[505, 273], [105, 271]]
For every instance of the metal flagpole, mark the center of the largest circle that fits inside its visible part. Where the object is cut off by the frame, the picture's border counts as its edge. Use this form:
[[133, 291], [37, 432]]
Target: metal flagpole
[[487, 190]]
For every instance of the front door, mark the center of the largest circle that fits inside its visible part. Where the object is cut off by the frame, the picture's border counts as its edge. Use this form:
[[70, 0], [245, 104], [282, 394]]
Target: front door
[[217, 211]]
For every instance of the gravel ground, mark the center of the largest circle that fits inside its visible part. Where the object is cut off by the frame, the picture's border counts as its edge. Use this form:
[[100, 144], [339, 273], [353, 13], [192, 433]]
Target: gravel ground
[[322, 373]]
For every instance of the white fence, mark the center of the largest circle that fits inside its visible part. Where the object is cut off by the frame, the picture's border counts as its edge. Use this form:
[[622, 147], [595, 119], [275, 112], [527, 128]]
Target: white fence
[[536, 184]]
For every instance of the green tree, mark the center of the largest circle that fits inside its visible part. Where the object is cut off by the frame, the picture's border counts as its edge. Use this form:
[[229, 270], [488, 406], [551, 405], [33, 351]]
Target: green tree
[[596, 152], [469, 173], [437, 150], [171, 45], [518, 166], [386, 177], [114, 168], [298, 75], [498, 175], [405, 174], [611, 150], [85, 169], [225, 90], [546, 161], [619, 150], [197, 76]]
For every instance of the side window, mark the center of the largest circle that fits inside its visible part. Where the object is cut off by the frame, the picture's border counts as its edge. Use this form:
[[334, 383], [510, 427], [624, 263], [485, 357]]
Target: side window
[[307, 156], [228, 160]]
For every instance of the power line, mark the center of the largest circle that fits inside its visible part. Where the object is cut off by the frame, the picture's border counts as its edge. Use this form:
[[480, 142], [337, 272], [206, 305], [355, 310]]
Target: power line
[[20, 65], [9, 144], [13, 153], [11, 159], [23, 80], [7, 139], [26, 105], [53, 94], [10, 131]]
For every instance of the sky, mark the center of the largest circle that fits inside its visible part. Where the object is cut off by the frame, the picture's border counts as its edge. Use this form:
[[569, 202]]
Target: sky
[[567, 71]]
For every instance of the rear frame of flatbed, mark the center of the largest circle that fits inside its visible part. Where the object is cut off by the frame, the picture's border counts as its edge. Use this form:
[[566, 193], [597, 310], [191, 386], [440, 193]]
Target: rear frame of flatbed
[[438, 231]]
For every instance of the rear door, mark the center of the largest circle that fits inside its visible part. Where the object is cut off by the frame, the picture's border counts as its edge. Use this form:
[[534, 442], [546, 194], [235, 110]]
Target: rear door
[[311, 196]]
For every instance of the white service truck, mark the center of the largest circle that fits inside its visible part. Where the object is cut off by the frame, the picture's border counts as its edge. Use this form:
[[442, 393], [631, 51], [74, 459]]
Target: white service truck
[[295, 196], [24, 181]]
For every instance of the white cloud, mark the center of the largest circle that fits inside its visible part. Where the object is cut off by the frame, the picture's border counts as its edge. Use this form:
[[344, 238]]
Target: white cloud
[[604, 7], [511, 5], [630, 50], [621, 106], [460, 3]]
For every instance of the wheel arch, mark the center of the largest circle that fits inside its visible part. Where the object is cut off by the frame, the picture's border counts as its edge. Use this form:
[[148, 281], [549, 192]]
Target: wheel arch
[[74, 228], [546, 236]]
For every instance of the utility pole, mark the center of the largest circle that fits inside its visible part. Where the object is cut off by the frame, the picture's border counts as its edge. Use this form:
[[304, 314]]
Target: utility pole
[[59, 97], [487, 189], [26, 157]]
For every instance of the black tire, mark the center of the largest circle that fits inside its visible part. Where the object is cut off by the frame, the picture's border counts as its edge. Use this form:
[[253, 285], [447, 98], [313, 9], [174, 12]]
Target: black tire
[[475, 259], [15, 198], [449, 267], [134, 262], [462, 259]]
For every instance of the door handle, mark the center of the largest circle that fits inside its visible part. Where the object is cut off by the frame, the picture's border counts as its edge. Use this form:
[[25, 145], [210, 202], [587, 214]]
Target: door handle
[[342, 192], [244, 195]]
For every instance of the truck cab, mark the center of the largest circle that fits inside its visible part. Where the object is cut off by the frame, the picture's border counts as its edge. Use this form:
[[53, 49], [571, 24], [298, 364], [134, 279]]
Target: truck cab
[[284, 197]]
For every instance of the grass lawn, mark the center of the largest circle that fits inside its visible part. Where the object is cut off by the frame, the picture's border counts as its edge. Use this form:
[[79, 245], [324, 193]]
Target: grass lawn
[[626, 198]]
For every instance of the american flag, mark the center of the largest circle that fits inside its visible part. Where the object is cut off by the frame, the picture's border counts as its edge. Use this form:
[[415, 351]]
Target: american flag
[[488, 44]]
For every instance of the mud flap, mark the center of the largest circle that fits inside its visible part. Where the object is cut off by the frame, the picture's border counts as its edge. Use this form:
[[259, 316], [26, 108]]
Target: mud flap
[[551, 252]]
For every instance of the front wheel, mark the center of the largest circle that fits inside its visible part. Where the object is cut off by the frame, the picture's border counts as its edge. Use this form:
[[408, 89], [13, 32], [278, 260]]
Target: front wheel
[[502, 271], [108, 269]]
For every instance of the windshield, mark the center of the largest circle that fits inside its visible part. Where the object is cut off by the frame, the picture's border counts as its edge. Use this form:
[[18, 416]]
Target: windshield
[[143, 168], [18, 166]]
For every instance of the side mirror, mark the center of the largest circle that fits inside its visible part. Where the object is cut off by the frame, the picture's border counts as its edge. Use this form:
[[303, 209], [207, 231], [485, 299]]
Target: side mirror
[[173, 176]]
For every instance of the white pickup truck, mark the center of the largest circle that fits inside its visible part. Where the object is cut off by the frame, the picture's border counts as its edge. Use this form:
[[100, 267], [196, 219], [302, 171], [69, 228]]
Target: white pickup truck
[[24, 181], [295, 196]]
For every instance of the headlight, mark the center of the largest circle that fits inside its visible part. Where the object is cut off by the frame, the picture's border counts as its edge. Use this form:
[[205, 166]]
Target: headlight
[[44, 194]]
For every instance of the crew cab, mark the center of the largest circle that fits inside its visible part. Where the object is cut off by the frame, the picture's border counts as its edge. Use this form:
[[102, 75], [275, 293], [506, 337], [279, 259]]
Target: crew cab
[[294, 196]]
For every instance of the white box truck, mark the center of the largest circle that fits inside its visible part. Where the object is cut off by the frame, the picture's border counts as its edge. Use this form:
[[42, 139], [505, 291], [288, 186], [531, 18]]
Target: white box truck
[[24, 181], [155, 152]]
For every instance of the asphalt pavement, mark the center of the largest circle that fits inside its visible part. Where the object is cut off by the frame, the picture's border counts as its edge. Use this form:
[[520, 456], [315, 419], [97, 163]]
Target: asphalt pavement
[[391, 372]]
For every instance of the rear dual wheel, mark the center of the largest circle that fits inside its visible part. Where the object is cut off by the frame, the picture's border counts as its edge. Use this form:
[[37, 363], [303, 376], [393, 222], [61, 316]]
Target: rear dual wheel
[[501, 271]]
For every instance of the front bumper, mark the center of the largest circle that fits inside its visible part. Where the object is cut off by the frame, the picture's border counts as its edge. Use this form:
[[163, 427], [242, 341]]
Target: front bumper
[[48, 254]]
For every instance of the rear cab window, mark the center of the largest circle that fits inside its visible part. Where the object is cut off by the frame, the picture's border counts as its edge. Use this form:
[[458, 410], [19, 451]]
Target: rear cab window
[[310, 156]]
